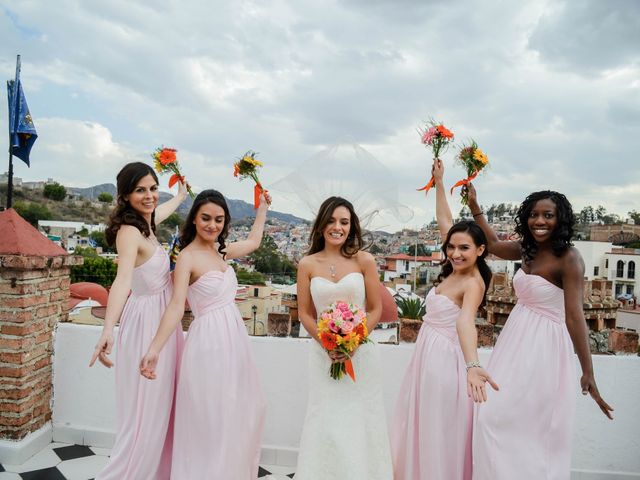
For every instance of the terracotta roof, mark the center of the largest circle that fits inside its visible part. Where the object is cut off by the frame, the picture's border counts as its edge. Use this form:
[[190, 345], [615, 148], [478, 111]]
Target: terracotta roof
[[19, 237], [86, 290]]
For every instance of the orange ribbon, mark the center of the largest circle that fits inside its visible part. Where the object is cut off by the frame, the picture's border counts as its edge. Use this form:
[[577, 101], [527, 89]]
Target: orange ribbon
[[174, 179], [465, 181], [348, 367], [428, 186], [257, 190]]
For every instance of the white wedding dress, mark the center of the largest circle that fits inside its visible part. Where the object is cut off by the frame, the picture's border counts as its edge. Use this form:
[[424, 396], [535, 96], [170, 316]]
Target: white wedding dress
[[345, 431]]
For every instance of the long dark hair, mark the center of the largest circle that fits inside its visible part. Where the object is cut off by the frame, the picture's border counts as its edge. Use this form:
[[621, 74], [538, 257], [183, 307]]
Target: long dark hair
[[561, 235], [479, 239], [352, 245], [188, 232], [123, 213]]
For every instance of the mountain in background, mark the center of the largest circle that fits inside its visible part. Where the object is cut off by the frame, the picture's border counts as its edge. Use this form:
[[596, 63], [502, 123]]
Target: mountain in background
[[239, 209]]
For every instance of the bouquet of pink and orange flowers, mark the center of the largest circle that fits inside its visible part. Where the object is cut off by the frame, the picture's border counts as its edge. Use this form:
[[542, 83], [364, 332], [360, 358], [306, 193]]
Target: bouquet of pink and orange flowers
[[343, 327], [438, 137], [165, 161], [473, 160]]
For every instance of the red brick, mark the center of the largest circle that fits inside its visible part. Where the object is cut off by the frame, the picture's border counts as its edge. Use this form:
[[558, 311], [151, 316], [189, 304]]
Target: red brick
[[20, 407], [14, 421], [17, 288], [42, 363], [10, 274], [13, 372], [16, 316], [623, 341], [25, 301], [17, 358], [50, 284], [59, 295], [24, 262], [16, 393], [47, 311]]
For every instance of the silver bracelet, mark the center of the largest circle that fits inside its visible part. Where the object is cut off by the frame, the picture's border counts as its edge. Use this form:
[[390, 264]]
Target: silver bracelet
[[473, 364]]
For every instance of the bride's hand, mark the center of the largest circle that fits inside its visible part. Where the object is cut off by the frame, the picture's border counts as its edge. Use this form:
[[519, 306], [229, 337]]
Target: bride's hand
[[337, 357]]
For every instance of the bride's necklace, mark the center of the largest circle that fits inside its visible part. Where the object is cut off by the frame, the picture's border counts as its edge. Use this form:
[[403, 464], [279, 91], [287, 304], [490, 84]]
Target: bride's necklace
[[332, 270]]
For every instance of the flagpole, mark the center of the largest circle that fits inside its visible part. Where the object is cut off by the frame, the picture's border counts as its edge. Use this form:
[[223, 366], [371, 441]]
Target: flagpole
[[12, 112]]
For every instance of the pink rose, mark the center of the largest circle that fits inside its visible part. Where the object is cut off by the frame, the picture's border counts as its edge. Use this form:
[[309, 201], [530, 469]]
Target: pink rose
[[357, 318], [347, 315], [346, 327], [343, 307], [333, 327]]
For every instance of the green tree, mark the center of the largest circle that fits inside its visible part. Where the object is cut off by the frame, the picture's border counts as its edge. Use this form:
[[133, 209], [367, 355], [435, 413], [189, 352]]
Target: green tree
[[173, 220], [32, 212], [269, 261], [55, 191], [100, 239], [95, 269], [422, 251], [105, 197], [249, 278], [586, 215], [635, 216]]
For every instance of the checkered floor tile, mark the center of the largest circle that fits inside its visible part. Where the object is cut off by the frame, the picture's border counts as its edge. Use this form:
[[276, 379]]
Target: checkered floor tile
[[60, 461]]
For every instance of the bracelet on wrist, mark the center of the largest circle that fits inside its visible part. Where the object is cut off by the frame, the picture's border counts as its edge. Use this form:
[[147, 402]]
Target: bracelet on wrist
[[477, 214], [474, 364]]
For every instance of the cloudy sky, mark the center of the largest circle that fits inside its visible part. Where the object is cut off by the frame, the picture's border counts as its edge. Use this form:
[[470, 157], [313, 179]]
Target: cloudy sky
[[549, 89]]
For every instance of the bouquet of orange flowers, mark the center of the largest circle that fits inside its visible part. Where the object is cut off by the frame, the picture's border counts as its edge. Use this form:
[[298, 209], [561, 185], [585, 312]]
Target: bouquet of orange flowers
[[165, 161], [247, 167], [438, 137], [343, 327], [473, 160]]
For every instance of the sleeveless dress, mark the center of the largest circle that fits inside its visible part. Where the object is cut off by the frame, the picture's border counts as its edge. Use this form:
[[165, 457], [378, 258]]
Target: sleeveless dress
[[344, 436], [144, 408], [431, 432], [525, 430], [220, 405]]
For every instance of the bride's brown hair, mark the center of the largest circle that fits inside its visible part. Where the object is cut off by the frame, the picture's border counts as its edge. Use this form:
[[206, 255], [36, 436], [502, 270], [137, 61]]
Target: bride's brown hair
[[354, 239]]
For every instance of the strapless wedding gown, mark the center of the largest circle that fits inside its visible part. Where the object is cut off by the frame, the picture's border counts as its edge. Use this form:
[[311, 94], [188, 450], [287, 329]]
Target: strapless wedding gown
[[345, 429]]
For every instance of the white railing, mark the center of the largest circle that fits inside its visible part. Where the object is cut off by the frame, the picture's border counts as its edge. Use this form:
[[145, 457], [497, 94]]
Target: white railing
[[84, 401]]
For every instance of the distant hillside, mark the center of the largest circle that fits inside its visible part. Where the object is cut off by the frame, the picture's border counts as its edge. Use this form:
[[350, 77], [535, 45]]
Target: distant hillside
[[239, 209]]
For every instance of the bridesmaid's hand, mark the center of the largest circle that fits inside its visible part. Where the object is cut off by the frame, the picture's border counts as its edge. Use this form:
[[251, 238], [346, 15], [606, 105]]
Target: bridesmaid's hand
[[148, 365], [265, 199], [437, 170], [476, 379], [588, 384], [472, 197], [103, 348]]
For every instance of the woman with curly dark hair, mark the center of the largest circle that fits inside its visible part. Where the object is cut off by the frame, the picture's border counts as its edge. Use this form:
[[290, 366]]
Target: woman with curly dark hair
[[525, 430], [219, 401], [142, 447]]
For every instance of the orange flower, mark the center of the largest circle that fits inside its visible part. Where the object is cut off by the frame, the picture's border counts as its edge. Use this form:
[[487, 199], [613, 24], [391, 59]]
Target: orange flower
[[236, 170], [328, 341], [167, 156], [444, 131]]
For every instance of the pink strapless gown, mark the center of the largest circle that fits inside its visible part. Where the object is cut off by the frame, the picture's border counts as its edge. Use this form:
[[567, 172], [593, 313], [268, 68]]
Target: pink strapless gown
[[431, 432], [144, 408], [220, 405], [524, 431]]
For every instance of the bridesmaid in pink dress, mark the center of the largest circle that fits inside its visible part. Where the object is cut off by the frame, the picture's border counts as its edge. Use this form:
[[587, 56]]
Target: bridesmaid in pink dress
[[431, 432], [220, 405], [525, 430], [142, 447]]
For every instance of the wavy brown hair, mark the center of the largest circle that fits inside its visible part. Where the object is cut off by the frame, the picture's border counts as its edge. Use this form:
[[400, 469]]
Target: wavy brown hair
[[354, 239], [123, 213], [188, 231]]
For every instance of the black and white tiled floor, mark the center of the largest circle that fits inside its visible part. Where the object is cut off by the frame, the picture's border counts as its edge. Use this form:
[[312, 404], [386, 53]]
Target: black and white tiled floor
[[61, 461]]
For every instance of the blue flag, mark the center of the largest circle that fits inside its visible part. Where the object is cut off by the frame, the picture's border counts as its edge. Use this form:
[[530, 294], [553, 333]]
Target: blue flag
[[22, 131]]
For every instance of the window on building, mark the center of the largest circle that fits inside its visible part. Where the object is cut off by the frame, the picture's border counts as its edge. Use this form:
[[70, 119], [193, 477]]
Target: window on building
[[255, 292], [618, 289], [630, 289], [631, 270], [596, 271], [606, 263], [620, 269]]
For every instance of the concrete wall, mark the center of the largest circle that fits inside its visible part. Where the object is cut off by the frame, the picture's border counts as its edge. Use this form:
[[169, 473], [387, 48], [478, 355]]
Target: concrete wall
[[84, 400]]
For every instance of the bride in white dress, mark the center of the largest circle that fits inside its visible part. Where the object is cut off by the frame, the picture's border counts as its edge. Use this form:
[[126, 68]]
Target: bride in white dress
[[345, 431]]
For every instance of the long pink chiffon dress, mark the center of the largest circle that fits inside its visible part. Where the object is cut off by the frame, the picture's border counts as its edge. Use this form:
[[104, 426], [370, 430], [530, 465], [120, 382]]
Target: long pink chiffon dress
[[431, 431], [144, 408], [220, 405], [524, 431]]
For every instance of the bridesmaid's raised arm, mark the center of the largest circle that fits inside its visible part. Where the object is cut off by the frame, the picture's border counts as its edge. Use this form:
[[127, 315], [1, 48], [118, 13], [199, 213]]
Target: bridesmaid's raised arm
[[252, 242], [443, 212]]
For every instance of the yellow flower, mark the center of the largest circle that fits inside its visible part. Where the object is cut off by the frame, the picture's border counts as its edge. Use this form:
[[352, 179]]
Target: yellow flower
[[251, 160], [158, 166], [480, 156]]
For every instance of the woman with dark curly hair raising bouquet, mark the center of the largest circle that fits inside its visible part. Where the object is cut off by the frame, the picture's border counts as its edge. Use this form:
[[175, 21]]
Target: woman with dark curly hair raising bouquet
[[142, 447], [525, 430]]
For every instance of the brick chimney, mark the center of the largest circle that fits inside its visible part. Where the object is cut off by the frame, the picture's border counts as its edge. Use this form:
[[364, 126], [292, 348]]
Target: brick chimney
[[34, 291]]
